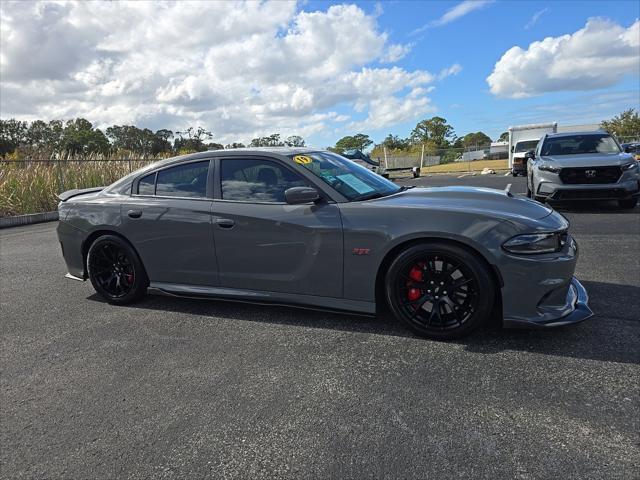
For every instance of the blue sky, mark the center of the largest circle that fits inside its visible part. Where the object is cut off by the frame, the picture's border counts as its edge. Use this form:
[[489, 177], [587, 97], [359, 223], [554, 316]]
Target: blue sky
[[321, 70], [478, 39]]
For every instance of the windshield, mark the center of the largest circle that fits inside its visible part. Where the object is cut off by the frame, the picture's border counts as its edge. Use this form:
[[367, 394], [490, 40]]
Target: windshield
[[347, 177], [526, 146], [580, 144]]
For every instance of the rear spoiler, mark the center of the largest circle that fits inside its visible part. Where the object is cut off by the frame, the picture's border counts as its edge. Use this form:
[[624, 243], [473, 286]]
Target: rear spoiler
[[64, 196]]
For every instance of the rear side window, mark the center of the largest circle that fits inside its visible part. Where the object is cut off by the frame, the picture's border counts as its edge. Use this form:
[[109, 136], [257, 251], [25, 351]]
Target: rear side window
[[147, 185], [189, 180], [257, 180]]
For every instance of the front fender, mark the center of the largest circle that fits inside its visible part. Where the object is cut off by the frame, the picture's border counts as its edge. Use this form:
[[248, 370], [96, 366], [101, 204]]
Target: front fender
[[371, 235]]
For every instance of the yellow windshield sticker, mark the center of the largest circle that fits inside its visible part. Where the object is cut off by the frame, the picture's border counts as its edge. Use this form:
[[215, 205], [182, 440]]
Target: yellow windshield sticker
[[302, 159]]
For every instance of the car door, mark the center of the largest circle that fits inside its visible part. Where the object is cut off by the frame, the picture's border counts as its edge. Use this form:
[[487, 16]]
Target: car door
[[168, 220], [263, 243]]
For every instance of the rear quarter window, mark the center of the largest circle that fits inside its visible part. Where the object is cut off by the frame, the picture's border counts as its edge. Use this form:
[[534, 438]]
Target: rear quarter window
[[147, 185]]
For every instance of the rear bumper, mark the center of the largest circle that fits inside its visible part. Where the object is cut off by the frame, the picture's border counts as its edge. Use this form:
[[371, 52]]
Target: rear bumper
[[71, 240], [576, 303]]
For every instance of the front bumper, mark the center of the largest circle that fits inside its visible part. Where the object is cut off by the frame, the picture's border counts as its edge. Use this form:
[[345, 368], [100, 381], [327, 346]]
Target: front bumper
[[519, 165], [557, 191], [576, 303]]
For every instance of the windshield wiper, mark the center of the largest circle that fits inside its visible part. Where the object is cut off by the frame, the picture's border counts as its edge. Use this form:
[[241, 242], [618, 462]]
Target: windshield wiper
[[367, 196], [371, 196]]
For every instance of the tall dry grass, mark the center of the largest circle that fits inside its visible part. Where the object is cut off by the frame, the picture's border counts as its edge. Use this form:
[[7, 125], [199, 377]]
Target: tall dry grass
[[32, 187]]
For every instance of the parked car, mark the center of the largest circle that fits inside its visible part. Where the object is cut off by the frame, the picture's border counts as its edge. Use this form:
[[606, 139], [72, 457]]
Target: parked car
[[523, 138], [582, 166], [632, 148], [311, 228]]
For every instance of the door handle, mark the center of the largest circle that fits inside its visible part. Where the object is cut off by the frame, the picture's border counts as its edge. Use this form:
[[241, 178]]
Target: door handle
[[135, 213], [225, 222]]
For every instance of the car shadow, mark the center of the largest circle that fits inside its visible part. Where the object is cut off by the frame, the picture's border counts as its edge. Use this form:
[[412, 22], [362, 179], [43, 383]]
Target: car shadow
[[612, 335]]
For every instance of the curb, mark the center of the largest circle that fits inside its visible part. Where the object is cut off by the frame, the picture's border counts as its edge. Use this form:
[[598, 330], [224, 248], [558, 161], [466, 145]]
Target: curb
[[6, 222]]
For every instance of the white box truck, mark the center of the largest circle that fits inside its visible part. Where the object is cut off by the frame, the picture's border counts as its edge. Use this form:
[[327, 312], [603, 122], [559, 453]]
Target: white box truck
[[523, 138]]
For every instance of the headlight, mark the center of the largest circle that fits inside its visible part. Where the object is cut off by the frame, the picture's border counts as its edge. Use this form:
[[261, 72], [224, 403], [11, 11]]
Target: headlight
[[549, 168], [629, 166], [534, 243]]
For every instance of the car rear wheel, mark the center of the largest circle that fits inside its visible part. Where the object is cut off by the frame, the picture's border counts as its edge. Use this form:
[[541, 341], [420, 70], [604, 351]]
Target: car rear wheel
[[115, 270], [628, 203], [439, 291]]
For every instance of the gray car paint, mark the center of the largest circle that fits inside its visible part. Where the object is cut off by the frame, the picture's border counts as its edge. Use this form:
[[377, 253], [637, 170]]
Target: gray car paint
[[544, 183], [306, 254]]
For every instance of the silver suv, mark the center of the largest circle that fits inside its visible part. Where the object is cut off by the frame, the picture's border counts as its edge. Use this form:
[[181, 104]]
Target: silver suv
[[582, 166]]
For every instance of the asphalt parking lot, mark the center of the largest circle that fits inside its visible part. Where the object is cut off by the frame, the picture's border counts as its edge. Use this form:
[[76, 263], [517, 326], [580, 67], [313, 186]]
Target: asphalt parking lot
[[176, 388]]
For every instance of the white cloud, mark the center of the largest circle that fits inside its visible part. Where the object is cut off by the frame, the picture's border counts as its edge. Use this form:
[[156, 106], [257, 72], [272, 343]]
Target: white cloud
[[396, 52], [454, 69], [241, 69], [534, 19], [596, 56], [454, 13]]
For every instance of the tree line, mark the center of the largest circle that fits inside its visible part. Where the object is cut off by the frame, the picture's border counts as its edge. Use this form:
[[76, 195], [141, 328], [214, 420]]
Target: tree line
[[78, 137], [437, 136]]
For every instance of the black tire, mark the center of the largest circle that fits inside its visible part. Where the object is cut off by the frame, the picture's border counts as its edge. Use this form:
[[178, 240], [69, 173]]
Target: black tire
[[420, 299], [115, 270], [628, 203], [529, 192], [515, 174]]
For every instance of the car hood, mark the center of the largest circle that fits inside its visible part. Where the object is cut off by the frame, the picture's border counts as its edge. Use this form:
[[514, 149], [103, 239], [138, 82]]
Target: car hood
[[588, 159], [488, 201]]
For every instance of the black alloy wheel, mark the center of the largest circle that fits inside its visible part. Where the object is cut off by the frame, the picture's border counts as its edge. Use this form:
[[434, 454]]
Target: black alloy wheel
[[115, 270], [440, 291]]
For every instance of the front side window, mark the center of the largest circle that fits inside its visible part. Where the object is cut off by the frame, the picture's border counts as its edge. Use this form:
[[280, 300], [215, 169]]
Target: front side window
[[353, 181], [580, 144], [188, 180], [256, 180]]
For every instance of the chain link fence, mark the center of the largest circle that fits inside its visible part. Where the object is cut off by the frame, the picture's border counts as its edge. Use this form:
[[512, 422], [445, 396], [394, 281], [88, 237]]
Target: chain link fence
[[469, 158]]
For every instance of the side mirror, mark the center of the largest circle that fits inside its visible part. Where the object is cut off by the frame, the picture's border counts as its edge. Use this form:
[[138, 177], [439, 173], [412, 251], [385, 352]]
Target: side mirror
[[298, 195], [530, 155], [628, 149]]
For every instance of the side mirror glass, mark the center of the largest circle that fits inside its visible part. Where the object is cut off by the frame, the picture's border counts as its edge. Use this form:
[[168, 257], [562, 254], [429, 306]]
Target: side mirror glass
[[298, 195], [628, 149]]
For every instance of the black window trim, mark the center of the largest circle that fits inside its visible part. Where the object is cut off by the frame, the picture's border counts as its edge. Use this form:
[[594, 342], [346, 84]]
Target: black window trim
[[209, 191], [217, 179]]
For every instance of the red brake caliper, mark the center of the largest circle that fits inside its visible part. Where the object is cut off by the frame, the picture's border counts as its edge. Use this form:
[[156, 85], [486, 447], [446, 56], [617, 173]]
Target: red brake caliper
[[415, 274]]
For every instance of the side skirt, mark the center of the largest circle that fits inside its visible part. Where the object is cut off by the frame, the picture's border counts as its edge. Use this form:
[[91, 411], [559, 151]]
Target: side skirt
[[310, 302]]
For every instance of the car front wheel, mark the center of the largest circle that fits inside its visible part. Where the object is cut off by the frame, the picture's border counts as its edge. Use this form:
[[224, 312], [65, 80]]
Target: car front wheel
[[440, 291], [115, 270]]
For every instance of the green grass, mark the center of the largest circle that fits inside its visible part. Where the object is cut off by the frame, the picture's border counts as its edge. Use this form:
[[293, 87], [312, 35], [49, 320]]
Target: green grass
[[33, 187], [474, 166]]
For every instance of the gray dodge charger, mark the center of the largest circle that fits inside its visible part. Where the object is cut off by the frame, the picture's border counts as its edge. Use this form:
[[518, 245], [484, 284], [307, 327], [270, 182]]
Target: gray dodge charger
[[310, 228]]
